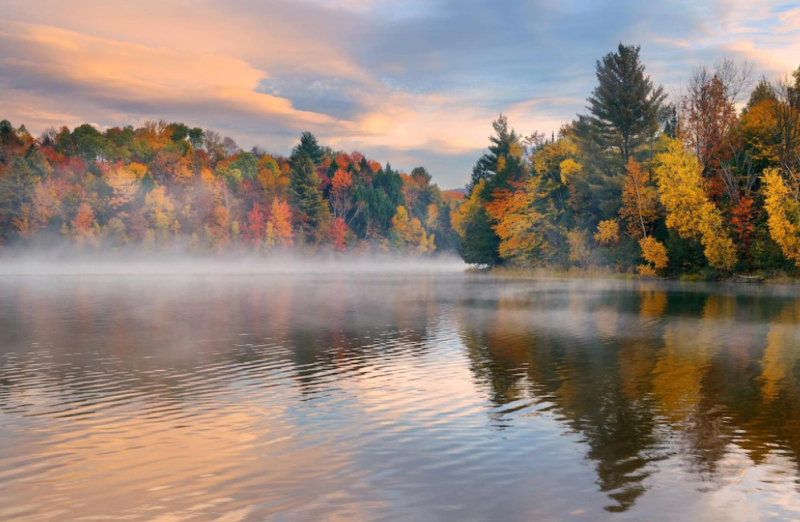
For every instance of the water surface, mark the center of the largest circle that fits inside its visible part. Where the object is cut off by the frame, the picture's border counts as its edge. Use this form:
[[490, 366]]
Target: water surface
[[409, 397]]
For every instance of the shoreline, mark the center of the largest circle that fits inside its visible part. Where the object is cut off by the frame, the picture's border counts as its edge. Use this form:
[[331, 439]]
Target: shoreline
[[609, 274]]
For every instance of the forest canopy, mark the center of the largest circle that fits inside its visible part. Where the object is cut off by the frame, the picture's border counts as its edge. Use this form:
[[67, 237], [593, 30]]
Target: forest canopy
[[171, 187], [707, 183]]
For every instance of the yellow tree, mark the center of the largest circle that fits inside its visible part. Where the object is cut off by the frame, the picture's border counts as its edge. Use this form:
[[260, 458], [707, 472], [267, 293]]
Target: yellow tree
[[639, 200], [783, 210], [569, 169], [640, 210], [520, 223], [124, 184], [607, 232], [138, 170], [408, 233], [218, 228], [432, 219], [688, 208], [471, 206], [47, 197], [579, 252], [273, 179], [159, 212], [655, 254]]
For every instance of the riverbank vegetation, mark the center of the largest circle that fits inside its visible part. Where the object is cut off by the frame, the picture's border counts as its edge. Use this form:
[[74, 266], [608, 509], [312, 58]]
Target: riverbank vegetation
[[707, 184], [703, 185]]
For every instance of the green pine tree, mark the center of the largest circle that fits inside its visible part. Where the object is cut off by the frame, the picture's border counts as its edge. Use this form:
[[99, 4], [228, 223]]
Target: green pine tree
[[624, 107], [500, 145], [306, 196], [309, 145]]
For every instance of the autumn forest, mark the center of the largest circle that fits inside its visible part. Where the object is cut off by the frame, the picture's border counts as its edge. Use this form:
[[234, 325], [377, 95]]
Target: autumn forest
[[706, 183]]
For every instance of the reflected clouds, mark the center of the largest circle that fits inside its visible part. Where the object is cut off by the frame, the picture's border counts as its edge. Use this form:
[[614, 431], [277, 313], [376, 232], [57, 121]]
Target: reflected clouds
[[362, 397]]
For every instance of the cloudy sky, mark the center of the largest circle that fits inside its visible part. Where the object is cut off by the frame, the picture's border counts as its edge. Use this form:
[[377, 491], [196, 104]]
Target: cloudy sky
[[408, 81]]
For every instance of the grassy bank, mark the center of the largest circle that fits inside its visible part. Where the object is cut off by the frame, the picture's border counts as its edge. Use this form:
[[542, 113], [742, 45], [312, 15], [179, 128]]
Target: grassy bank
[[760, 277]]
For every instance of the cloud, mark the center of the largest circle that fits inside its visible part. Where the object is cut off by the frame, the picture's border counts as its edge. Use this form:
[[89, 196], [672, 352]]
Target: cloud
[[134, 79], [405, 81]]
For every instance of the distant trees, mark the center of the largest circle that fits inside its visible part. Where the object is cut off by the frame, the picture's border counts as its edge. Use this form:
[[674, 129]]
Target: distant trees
[[171, 186], [310, 147], [305, 194], [634, 184], [408, 233]]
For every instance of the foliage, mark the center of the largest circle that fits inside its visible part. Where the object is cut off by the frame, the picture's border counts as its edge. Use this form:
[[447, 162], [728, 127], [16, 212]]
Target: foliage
[[409, 235], [782, 206], [639, 200], [688, 209], [479, 244], [607, 233], [624, 107], [579, 252], [521, 222], [696, 185], [169, 186], [655, 254]]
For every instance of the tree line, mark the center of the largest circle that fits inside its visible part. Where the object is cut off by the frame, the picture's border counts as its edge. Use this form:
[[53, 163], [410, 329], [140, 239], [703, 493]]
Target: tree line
[[708, 183], [167, 186]]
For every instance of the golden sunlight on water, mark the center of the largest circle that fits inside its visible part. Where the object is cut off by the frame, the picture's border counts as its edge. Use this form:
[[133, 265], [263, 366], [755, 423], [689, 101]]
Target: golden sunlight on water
[[444, 397]]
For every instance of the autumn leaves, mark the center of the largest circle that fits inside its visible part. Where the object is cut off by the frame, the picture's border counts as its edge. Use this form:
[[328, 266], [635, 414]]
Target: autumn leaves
[[638, 184], [165, 187]]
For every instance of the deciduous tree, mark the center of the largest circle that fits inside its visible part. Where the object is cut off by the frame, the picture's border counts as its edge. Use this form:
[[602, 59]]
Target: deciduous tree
[[639, 200], [689, 210], [783, 209]]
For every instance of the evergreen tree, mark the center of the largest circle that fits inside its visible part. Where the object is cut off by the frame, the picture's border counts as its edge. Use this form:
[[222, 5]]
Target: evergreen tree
[[504, 143], [497, 170], [305, 193], [376, 203], [624, 107], [309, 145], [421, 175], [481, 245], [16, 190], [669, 115], [763, 91]]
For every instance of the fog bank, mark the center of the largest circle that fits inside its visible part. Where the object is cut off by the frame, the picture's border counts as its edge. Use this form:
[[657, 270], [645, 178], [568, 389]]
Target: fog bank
[[31, 263]]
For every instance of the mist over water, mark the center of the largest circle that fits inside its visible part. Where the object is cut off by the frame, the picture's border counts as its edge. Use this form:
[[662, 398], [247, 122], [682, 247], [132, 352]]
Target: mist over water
[[133, 263], [241, 390]]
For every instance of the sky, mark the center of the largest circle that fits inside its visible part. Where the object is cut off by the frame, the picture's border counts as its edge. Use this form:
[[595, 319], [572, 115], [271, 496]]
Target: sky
[[411, 82]]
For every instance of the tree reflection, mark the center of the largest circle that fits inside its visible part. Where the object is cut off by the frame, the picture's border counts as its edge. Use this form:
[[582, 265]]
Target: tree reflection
[[678, 373], [650, 378]]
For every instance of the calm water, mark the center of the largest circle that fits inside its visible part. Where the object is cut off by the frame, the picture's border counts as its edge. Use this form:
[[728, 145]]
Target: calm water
[[444, 397]]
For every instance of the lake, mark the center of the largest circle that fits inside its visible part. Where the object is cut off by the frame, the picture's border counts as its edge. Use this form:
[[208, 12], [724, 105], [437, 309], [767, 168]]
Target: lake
[[415, 396]]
